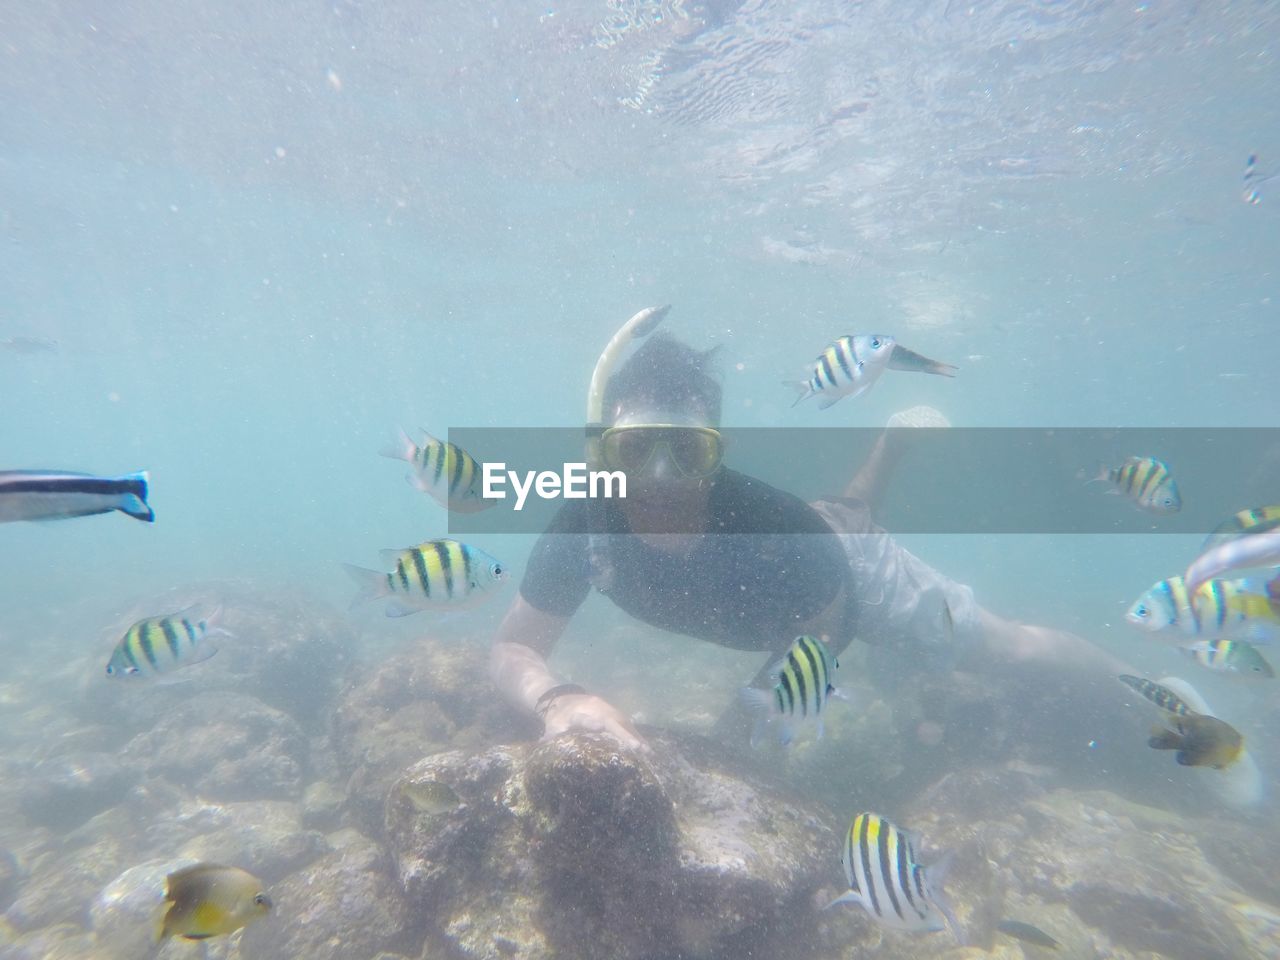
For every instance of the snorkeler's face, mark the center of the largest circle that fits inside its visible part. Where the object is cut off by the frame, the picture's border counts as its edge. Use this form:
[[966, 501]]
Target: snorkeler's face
[[662, 449]]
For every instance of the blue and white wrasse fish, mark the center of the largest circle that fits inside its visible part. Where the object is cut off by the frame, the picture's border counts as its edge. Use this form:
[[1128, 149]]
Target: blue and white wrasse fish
[[439, 574], [1245, 551], [889, 883], [58, 495], [444, 471], [805, 683], [851, 365], [159, 645], [1245, 609]]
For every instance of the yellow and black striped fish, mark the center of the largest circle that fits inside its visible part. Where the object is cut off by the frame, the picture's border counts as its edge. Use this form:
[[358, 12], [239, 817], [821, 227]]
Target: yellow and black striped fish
[[158, 645], [1231, 656], [436, 574], [848, 367], [444, 471], [888, 882], [1146, 481], [805, 682], [1247, 609], [1256, 520], [1162, 697]]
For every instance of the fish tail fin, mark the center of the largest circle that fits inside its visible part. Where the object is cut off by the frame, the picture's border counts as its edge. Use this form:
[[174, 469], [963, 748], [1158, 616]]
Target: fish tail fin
[[803, 389], [134, 500], [849, 896], [372, 583], [1101, 474], [760, 703], [1164, 739], [400, 449], [904, 359], [160, 920], [937, 877]]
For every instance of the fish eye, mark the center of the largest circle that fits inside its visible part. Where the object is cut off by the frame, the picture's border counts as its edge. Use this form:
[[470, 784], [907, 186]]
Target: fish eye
[[875, 343], [260, 899], [496, 569], [1141, 611], [110, 670]]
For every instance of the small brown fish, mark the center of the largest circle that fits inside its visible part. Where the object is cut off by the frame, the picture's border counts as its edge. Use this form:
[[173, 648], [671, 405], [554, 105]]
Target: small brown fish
[[432, 797], [1200, 741], [210, 900]]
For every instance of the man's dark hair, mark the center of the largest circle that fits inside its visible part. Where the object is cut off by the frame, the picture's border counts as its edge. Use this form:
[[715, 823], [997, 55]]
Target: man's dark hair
[[667, 375]]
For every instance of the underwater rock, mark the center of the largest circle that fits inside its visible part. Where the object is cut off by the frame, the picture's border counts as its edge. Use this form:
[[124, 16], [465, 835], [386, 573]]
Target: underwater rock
[[289, 651], [1246, 854], [226, 747], [344, 905], [577, 848], [433, 696], [265, 837], [321, 805], [1133, 877], [122, 916], [63, 941], [61, 887], [64, 792]]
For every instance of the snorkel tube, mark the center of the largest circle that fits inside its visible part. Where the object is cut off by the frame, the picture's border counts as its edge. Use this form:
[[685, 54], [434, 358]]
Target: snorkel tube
[[639, 326]]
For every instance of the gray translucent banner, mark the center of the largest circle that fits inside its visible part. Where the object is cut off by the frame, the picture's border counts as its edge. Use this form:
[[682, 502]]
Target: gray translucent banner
[[985, 481]]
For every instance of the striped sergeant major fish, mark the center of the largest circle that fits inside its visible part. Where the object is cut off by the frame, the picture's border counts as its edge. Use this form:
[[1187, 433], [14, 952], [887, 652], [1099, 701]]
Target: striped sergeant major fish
[[443, 574], [1144, 480], [1231, 656], [1252, 521], [851, 365], [158, 645], [443, 470], [1246, 609], [57, 495], [889, 883], [805, 682]]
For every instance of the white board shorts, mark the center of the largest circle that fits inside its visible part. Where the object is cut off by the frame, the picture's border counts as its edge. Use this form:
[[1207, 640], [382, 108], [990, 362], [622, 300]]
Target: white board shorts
[[899, 597]]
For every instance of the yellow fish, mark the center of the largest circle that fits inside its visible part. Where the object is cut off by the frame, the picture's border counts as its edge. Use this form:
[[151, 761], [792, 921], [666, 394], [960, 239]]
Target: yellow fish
[[1200, 741], [210, 900]]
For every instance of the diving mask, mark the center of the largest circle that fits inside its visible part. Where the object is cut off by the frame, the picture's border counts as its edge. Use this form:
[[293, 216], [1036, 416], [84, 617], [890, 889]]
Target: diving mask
[[695, 451]]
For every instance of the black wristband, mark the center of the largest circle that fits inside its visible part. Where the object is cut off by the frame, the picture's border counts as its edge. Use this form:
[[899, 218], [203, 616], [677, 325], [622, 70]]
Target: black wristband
[[544, 701]]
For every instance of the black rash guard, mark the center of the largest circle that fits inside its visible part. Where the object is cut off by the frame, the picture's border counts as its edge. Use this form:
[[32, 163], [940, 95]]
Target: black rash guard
[[769, 562]]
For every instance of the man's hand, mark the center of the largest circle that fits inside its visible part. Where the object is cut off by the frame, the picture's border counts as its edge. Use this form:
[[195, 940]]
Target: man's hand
[[588, 713]]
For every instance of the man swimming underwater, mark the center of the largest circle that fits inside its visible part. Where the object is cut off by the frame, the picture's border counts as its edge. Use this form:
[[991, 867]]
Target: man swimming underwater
[[664, 554]]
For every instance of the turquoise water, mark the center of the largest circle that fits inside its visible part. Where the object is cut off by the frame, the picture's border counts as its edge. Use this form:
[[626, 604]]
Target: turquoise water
[[265, 236]]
